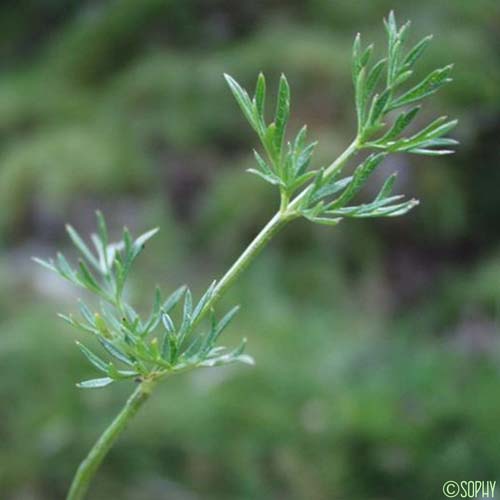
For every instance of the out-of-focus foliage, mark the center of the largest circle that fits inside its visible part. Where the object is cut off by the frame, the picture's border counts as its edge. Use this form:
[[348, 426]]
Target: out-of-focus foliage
[[378, 348]]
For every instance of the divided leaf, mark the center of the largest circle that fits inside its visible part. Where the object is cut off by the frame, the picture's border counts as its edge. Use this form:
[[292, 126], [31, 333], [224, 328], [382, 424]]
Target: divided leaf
[[399, 69]]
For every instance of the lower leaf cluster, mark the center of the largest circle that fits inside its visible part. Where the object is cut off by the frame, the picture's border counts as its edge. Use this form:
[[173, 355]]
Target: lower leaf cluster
[[167, 341]]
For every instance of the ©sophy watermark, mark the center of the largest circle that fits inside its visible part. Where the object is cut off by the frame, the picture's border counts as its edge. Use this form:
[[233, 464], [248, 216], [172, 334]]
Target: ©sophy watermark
[[469, 489]]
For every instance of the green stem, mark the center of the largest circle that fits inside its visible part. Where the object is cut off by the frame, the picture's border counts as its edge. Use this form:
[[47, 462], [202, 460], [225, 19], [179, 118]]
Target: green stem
[[279, 220], [88, 467], [244, 260]]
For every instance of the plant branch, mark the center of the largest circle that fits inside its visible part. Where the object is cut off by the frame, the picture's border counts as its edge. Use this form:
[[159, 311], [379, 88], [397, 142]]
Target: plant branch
[[277, 222], [90, 464], [322, 198]]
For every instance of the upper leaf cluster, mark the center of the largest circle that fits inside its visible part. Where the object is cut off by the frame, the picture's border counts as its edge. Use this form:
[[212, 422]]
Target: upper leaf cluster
[[378, 92]]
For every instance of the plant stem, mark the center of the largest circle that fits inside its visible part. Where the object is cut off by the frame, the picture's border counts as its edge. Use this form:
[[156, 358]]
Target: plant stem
[[243, 261], [268, 231], [88, 467]]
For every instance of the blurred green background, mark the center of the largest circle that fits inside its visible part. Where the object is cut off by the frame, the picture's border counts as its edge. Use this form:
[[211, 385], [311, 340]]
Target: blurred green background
[[377, 343]]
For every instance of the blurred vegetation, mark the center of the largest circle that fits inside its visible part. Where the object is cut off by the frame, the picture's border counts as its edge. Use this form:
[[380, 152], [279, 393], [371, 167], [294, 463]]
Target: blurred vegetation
[[377, 343]]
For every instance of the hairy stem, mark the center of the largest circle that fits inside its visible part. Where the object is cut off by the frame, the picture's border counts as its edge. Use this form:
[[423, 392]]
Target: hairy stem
[[88, 467]]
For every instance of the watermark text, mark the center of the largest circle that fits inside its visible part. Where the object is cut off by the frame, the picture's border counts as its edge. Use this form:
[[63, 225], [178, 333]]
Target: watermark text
[[469, 489]]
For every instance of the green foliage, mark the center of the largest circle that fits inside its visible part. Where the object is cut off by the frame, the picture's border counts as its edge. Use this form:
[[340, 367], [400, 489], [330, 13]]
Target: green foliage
[[133, 341], [332, 212], [168, 341], [288, 165], [360, 408], [373, 104], [151, 347]]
